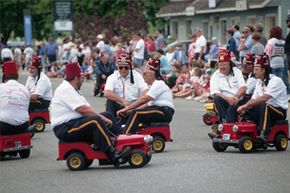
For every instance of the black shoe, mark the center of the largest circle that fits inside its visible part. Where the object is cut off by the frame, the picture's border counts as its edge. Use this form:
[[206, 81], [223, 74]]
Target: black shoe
[[212, 135], [115, 156], [262, 139]]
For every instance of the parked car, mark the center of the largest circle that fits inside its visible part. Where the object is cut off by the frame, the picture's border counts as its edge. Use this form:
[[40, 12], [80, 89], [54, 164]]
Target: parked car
[[185, 45]]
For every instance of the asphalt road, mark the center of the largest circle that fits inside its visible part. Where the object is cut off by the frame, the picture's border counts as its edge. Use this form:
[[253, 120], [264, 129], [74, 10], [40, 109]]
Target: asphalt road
[[189, 164]]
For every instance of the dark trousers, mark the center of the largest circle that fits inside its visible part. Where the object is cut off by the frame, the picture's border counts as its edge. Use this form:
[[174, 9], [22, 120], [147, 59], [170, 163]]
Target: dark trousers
[[265, 116], [88, 129], [226, 112], [148, 115], [7, 129], [113, 107], [38, 104]]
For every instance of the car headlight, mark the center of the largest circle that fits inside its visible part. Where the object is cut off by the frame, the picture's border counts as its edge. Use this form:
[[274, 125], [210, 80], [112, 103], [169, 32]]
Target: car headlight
[[220, 127], [148, 138], [235, 128]]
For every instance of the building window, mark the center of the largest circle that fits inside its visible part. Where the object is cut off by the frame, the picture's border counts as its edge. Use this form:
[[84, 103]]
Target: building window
[[175, 28], [205, 28], [223, 31], [188, 28], [251, 20], [270, 21], [235, 20]]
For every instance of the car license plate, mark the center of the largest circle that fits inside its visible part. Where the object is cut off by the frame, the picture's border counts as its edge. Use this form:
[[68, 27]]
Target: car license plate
[[18, 144], [226, 136]]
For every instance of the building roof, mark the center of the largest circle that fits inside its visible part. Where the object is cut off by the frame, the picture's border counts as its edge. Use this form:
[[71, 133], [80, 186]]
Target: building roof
[[178, 8], [174, 8]]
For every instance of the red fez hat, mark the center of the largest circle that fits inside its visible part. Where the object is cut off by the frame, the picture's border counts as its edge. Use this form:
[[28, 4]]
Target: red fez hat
[[262, 61], [124, 59], [153, 64], [10, 68], [224, 55], [35, 62], [72, 70], [249, 59]]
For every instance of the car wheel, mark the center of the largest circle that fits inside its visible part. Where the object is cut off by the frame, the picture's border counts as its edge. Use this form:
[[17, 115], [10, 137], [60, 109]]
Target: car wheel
[[137, 159], [158, 144], [207, 118], [76, 161], [219, 147], [24, 153], [281, 142], [39, 125], [246, 144]]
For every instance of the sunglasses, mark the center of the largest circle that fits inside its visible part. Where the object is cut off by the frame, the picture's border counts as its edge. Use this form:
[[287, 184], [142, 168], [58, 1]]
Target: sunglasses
[[245, 32], [123, 67]]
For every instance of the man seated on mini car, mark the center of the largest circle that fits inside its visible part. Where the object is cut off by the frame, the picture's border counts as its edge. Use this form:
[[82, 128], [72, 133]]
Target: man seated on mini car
[[156, 105], [124, 86], [227, 85], [38, 85], [269, 101], [73, 119], [14, 102]]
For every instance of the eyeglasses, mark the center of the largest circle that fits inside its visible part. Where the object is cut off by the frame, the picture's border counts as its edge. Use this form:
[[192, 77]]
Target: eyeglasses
[[123, 67]]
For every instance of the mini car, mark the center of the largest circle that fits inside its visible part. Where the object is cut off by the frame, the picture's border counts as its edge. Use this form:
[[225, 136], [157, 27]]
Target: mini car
[[210, 116], [80, 155], [11, 145], [39, 118], [244, 136], [160, 133]]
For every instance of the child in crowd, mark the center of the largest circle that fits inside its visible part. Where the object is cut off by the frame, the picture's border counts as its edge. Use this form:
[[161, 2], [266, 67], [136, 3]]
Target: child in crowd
[[173, 75]]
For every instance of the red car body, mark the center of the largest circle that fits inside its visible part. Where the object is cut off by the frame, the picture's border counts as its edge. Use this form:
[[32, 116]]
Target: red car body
[[244, 135], [80, 155], [13, 144], [160, 133]]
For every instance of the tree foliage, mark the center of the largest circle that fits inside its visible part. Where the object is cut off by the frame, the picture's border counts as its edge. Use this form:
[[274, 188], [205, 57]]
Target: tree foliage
[[91, 17]]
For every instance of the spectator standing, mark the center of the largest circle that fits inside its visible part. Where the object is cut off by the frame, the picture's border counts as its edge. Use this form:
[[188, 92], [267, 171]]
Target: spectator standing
[[237, 36], [287, 62], [165, 66], [231, 46], [179, 55], [6, 54], [50, 53], [191, 49], [246, 42], [160, 40], [275, 50], [138, 51], [259, 27], [257, 48], [200, 46]]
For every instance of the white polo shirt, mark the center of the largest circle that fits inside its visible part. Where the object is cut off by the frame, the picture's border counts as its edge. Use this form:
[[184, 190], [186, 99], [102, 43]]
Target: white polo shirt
[[122, 87], [140, 45], [6, 53], [14, 103], [64, 103], [276, 89], [200, 42], [42, 88], [161, 94], [227, 85], [250, 84]]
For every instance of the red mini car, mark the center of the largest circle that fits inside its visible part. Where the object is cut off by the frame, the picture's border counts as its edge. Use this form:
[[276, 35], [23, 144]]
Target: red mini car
[[210, 117], [39, 118], [160, 133], [80, 155], [244, 135], [11, 145]]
